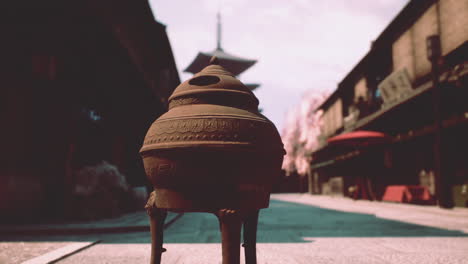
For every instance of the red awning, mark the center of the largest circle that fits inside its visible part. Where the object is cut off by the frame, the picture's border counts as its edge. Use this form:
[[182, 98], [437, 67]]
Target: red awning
[[360, 138]]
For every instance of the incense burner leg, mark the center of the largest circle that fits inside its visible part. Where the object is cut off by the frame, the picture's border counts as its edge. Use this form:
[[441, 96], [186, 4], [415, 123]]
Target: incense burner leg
[[250, 237], [157, 217], [230, 222]]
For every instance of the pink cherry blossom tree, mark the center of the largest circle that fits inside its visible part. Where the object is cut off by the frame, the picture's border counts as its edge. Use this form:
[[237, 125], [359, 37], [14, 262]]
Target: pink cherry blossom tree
[[301, 132]]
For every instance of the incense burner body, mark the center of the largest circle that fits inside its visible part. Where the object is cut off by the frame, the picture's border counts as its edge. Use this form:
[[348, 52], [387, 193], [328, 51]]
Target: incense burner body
[[212, 149]]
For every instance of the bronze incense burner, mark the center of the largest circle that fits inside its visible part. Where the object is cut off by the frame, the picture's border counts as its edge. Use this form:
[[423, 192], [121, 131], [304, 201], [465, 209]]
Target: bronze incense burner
[[212, 152]]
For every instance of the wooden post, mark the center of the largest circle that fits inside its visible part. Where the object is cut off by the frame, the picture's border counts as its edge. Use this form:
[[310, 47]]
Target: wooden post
[[442, 178]]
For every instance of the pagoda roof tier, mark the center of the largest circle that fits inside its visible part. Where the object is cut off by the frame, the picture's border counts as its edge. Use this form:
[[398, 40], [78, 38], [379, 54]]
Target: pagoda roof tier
[[252, 86], [234, 64]]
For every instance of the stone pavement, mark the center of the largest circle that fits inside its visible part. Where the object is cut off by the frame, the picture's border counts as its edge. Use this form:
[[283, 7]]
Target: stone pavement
[[13, 252], [41, 252], [301, 228]]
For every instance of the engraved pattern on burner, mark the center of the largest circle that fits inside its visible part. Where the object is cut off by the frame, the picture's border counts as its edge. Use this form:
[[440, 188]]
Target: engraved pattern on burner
[[238, 101], [209, 129]]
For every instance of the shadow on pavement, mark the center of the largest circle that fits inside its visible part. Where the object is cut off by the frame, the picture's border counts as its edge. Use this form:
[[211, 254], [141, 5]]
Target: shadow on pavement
[[283, 222]]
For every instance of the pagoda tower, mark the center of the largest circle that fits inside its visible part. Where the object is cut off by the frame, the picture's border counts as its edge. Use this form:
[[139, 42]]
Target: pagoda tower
[[234, 64]]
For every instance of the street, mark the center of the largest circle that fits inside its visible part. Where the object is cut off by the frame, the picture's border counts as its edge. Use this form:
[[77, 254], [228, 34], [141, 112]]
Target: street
[[289, 232]]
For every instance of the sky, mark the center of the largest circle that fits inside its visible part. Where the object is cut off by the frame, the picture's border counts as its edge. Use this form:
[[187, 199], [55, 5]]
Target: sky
[[302, 46]]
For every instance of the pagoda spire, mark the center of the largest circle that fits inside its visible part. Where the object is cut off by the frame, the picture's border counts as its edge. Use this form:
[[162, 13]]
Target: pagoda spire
[[234, 64], [218, 32]]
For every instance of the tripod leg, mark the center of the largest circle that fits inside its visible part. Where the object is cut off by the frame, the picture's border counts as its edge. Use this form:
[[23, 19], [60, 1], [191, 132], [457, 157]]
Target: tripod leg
[[230, 225], [157, 217], [250, 237]]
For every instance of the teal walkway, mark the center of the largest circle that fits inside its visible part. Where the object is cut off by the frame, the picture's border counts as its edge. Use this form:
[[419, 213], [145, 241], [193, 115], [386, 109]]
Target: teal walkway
[[286, 222]]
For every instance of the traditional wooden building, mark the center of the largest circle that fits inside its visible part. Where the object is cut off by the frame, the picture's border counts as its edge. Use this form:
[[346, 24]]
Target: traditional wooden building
[[421, 105], [81, 82]]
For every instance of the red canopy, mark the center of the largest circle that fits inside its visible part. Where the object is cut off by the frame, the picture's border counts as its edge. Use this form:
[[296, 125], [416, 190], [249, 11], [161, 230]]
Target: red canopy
[[360, 138]]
